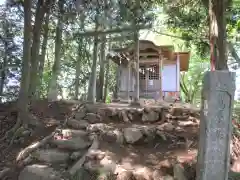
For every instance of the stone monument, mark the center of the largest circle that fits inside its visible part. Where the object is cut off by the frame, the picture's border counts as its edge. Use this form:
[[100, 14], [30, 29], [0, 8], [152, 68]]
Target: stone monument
[[215, 126]]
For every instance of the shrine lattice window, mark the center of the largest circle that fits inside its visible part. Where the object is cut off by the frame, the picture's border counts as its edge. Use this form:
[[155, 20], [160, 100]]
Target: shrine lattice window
[[154, 72], [142, 72]]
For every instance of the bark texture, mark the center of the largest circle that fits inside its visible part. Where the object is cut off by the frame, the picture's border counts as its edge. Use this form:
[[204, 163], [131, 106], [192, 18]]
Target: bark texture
[[53, 91], [24, 84]]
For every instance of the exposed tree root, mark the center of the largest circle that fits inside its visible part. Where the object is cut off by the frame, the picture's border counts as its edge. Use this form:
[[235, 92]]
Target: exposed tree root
[[12, 131], [4, 172], [81, 161], [25, 152], [28, 150]]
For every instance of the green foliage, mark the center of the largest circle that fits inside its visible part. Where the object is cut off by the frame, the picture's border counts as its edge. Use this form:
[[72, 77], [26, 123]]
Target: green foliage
[[191, 81], [236, 118], [190, 20], [108, 99]]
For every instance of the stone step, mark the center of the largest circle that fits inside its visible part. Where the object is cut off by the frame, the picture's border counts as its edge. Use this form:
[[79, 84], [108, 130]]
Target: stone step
[[40, 172], [122, 133], [70, 139], [132, 133], [52, 156], [151, 114], [70, 145], [140, 163]]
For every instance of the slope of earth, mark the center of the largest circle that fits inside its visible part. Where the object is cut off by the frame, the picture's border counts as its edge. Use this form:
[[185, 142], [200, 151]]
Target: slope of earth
[[116, 141], [49, 114]]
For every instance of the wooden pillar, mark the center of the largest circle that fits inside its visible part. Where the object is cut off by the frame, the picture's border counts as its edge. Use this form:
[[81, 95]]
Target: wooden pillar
[[160, 76], [178, 72], [117, 82], [146, 79], [136, 38], [128, 80]]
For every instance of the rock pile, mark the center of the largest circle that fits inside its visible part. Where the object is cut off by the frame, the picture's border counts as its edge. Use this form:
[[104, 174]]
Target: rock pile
[[74, 149]]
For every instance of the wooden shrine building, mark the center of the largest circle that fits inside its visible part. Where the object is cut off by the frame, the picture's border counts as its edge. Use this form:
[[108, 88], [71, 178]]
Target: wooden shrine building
[[159, 70]]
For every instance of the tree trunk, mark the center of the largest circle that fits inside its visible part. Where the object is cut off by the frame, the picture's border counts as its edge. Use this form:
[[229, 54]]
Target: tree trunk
[[102, 64], [24, 84], [40, 11], [3, 73], [218, 34], [53, 90], [78, 72], [93, 78], [80, 56], [106, 79], [43, 54]]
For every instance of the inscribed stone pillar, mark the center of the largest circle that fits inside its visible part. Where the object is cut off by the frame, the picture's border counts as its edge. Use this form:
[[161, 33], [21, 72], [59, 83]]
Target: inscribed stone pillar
[[215, 125]]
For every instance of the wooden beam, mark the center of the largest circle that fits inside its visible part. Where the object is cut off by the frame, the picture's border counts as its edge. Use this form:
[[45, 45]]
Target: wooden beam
[[155, 60], [160, 76], [113, 31], [128, 81], [148, 54]]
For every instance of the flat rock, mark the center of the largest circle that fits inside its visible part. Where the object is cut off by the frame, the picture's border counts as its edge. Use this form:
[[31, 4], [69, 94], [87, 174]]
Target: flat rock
[[72, 143], [190, 157], [157, 175], [149, 131], [39, 172], [107, 112], [51, 156], [166, 127], [178, 172], [187, 123], [67, 133], [176, 111], [123, 115], [80, 114], [92, 117], [96, 155], [143, 173], [125, 175], [132, 135], [108, 164], [113, 136], [150, 116], [119, 136], [77, 124], [99, 127]]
